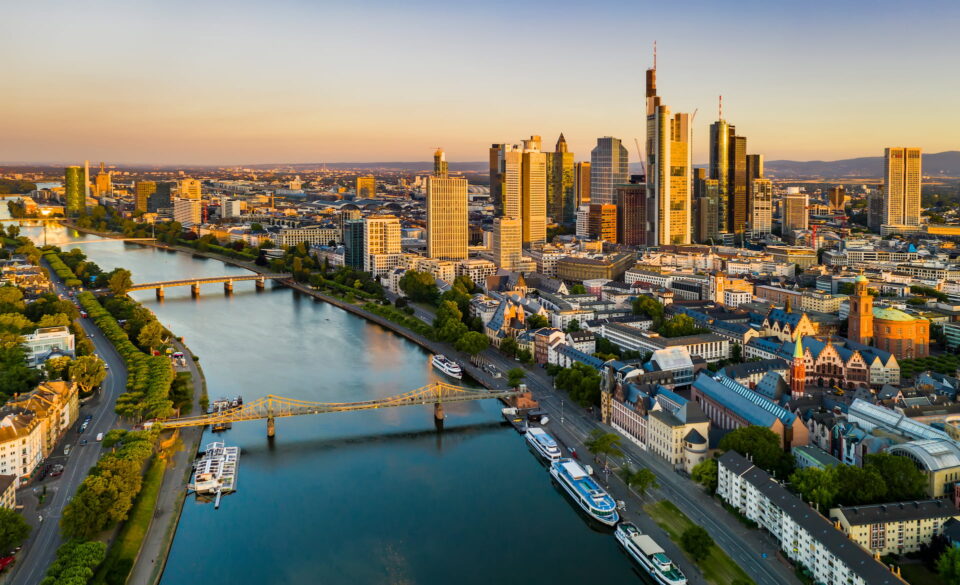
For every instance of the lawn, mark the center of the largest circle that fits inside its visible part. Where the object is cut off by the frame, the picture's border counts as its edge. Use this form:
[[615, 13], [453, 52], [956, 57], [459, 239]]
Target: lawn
[[718, 568], [917, 574], [119, 562]]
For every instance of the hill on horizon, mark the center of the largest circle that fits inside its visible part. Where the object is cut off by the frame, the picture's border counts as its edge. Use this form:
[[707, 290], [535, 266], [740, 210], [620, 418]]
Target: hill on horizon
[[945, 164]]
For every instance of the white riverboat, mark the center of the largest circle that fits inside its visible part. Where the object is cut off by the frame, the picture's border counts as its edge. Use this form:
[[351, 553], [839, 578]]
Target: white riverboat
[[447, 366], [216, 472], [649, 555], [586, 492], [543, 443]]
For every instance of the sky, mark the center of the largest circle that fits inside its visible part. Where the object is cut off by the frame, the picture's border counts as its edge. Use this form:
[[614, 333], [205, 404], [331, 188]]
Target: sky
[[297, 81]]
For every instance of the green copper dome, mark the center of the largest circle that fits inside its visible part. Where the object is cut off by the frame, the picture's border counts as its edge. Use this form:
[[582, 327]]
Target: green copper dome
[[861, 278], [889, 314]]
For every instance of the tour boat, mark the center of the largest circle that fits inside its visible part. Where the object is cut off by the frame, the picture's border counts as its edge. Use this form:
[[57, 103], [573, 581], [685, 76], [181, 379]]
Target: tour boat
[[543, 443], [585, 491], [649, 555], [447, 366]]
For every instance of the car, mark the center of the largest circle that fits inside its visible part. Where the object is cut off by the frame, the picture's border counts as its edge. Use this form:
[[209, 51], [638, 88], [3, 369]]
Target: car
[[66, 449], [99, 437], [83, 442], [106, 366]]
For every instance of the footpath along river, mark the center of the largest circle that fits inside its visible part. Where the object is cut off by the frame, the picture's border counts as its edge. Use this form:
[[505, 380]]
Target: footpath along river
[[354, 498]]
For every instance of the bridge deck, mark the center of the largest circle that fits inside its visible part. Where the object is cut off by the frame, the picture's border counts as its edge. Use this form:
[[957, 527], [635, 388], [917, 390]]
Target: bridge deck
[[271, 406], [214, 279]]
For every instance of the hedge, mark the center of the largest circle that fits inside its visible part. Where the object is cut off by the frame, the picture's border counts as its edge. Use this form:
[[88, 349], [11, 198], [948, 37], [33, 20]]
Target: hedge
[[148, 377], [401, 318]]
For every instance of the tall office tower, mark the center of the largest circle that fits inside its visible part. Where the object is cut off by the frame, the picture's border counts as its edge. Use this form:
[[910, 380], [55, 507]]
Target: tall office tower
[[187, 212], [511, 195], [381, 243], [143, 190], [561, 196], [73, 186], [754, 171], [720, 133], [104, 182], [708, 219], [875, 209], [761, 215], [447, 231], [632, 213], [583, 221], [669, 174], [366, 187], [161, 198], [342, 218], [739, 206], [507, 242], [608, 168], [353, 230], [440, 163], [581, 181], [603, 222], [190, 189], [534, 192], [86, 181], [795, 215], [496, 176], [837, 198], [901, 186]]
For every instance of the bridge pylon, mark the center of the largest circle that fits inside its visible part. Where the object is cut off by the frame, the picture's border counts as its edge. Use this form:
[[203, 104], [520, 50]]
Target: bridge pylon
[[228, 286], [159, 293], [195, 289]]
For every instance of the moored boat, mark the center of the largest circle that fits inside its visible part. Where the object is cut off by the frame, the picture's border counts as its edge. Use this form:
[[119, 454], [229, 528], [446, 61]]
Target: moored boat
[[586, 492], [649, 555], [543, 443], [447, 366]]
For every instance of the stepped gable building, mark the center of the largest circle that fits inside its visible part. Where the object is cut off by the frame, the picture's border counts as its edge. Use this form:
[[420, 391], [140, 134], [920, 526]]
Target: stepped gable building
[[786, 325], [836, 361]]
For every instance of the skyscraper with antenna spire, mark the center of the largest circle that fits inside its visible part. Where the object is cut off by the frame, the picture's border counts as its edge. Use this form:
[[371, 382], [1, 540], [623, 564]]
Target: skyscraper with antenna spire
[[669, 168]]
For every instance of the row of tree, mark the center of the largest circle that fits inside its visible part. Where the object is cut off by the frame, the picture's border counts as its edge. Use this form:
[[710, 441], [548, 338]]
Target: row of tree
[[75, 563], [148, 377], [62, 270]]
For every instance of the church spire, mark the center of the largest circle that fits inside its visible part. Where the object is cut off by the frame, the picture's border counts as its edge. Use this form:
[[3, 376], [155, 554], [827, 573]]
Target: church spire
[[798, 370]]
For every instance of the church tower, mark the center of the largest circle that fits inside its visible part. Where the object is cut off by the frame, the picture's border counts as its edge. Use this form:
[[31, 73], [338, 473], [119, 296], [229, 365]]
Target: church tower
[[798, 370], [860, 324]]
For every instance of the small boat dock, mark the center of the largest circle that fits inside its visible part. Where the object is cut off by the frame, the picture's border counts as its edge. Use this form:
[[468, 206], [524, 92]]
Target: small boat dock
[[215, 473]]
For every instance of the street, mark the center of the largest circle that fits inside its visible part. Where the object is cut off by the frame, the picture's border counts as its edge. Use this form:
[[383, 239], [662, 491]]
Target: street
[[40, 549]]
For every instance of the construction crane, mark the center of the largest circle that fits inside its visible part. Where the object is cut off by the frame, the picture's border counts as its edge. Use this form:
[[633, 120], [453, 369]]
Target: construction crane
[[643, 168]]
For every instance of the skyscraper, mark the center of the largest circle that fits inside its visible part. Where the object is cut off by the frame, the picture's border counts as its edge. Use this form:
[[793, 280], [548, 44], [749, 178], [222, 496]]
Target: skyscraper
[[561, 196], [581, 180], [754, 171], [381, 244], [720, 133], [603, 222], [353, 246], [511, 194], [739, 206], [632, 213], [190, 189], [901, 186], [343, 217], [669, 173], [496, 176], [73, 190], [761, 218], [795, 214], [709, 217], [507, 242], [104, 182], [439, 163], [143, 190], [533, 211], [366, 187], [447, 233], [162, 197], [734, 170], [608, 168]]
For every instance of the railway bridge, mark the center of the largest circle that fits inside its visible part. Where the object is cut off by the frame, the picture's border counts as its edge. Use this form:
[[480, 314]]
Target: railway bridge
[[271, 407]]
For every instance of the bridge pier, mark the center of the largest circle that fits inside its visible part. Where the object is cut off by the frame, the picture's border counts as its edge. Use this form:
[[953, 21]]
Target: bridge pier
[[271, 427], [195, 289], [228, 287], [261, 283], [160, 293], [438, 411]]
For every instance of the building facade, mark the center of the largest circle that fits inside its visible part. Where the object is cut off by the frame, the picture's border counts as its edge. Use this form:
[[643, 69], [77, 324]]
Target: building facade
[[447, 226], [608, 168], [902, 176]]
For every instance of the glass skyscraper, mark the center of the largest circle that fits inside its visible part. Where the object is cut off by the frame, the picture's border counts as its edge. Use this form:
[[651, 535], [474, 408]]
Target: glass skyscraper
[[608, 168], [74, 190]]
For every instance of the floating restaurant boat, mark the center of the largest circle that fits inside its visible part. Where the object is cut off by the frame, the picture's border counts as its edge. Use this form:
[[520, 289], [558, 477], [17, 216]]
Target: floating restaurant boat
[[447, 366], [578, 484], [215, 473], [543, 443], [221, 405], [649, 555]]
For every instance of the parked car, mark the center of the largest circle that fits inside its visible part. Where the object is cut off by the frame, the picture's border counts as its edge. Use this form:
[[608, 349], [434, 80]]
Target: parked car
[[83, 442], [99, 437], [66, 449]]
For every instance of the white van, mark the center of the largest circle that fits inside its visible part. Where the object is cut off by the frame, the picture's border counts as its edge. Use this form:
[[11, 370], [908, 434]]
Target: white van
[[99, 436]]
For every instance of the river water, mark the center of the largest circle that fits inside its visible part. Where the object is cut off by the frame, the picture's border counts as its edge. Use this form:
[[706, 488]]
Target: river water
[[352, 498]]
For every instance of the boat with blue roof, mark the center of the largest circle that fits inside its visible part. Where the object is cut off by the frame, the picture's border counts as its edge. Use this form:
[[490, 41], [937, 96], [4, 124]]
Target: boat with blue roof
[[543, 443], [585, 491], [645, 551]]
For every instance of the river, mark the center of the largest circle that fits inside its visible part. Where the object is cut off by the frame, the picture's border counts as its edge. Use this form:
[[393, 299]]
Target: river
[[353, 498]]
